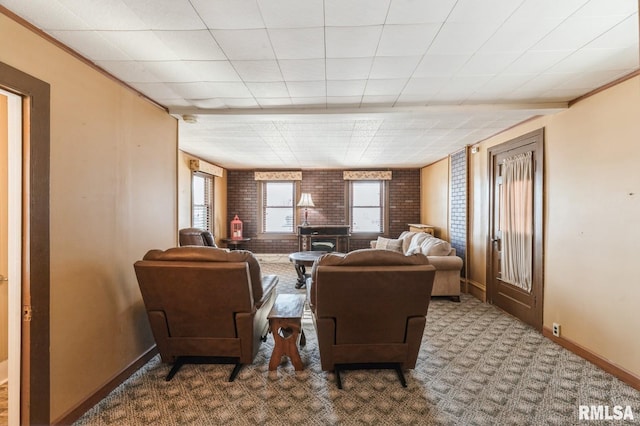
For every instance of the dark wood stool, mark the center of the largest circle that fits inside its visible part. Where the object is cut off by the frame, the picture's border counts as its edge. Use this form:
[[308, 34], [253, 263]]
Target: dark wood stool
[[285, 322]]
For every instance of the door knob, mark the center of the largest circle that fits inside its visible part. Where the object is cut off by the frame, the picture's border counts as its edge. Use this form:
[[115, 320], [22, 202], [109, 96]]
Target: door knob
[[3, 278]]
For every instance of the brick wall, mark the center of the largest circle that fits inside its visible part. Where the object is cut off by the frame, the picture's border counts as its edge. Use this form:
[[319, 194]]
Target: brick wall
[[327, 188], [458, 231]]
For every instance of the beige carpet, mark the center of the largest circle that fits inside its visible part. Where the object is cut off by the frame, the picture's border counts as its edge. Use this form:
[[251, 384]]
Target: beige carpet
[[477, 366]]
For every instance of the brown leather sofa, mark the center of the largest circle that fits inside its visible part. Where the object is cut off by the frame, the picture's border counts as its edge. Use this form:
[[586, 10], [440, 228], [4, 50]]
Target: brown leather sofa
[[196, 237], [206, 302], [369, 309]]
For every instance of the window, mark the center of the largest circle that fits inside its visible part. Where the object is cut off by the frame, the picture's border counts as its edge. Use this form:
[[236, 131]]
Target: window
[[201, 200], [367, 206], [278, 206]]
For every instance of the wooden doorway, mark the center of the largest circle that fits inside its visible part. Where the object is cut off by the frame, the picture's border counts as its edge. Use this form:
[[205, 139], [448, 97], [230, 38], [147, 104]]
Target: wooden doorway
[[35, 372], [520, 297]]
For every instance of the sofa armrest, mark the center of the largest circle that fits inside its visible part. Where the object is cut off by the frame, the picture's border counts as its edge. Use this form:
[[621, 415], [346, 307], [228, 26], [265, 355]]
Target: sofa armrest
[[446, 263], [269, 283]]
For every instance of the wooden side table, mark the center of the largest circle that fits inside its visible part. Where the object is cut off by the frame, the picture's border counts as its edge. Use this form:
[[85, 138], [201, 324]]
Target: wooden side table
[[233, 244], [302, 259], [285, 322]]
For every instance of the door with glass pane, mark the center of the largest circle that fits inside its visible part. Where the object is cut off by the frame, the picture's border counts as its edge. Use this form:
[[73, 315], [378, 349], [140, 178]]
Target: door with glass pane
[[514, 269]]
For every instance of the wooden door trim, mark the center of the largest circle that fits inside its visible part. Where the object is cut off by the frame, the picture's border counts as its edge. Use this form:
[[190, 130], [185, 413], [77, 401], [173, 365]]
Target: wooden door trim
[[535, 137], [35, 399]]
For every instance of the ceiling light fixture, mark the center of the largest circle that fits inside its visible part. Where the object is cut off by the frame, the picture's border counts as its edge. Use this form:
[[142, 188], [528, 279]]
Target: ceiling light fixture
[[188, 118]]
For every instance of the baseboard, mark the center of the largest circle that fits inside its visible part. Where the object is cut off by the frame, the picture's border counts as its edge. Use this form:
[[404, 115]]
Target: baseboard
[[477, 290], [273, 257], [75, 413], [611, 368]]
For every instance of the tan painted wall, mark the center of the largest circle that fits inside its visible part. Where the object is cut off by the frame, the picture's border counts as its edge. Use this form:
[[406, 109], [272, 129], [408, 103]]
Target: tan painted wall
[[434, 197], [4, 221], [184, 198], [113, 197], [592, 221]]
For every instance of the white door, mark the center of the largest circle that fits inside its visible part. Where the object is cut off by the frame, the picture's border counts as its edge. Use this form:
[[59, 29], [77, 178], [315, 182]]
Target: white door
[[11, 238]]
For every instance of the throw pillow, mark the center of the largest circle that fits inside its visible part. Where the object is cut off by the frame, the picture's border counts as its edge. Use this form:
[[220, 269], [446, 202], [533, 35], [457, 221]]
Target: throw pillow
[[389, 244], [435, 247]]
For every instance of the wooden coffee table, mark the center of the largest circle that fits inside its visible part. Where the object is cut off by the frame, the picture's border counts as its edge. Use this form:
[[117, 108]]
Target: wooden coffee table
[[285, 323], [302, 259]]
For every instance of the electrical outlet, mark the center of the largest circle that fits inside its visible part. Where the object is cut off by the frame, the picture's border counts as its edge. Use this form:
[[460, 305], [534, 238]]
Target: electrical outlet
[[556, 329]]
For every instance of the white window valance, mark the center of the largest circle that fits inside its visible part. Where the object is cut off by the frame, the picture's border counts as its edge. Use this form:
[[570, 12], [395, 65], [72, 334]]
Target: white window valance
[[204, 167], [280, 175], [367, 175]]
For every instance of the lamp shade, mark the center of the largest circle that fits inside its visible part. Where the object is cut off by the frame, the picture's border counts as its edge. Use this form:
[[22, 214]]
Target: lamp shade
[[305, 200]]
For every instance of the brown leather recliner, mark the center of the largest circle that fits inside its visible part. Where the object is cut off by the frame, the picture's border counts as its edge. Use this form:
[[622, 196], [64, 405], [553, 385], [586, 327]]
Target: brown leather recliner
[[196, 237], [206, 302], [369, 309]]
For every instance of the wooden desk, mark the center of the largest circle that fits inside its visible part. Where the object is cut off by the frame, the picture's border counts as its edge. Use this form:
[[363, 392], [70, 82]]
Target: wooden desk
[[285, 322]]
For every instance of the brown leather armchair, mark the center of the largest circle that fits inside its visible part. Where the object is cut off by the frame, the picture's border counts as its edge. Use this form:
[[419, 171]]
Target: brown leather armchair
[[206, 304], [196, 237], [369, 309]]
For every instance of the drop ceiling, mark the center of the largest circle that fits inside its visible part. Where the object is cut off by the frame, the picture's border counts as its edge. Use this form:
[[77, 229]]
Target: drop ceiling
[[282, 84]]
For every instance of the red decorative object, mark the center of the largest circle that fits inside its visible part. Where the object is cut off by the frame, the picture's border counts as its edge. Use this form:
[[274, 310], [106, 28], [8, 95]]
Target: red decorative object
[[236, 228]]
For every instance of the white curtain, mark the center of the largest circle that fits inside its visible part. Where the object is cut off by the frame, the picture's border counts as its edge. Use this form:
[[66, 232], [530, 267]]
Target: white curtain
[[516, 220]]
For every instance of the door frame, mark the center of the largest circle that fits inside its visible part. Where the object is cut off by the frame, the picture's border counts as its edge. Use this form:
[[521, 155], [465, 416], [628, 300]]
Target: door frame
[[35, 372], [536, 138]]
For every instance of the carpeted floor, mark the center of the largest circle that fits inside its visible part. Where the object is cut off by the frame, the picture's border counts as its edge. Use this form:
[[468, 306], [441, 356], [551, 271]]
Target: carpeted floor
[[477, 366]]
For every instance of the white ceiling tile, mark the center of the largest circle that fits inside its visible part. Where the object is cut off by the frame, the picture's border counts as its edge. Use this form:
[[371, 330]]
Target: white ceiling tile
[[240, 103], [624, 34], [166, 14], [53, 17], [536, 61], [214, 103], [434, 64], [157, 90], [92, 45], [352, 42], [534, 11], [385, 87], [488, 63], [345, 88], [302, 69], [229, 14], [130, 71], [348, 68], [426, 85], [473, 11], [267, 70], [458, 37], [516, 36], [141, 45], [599, 8], [340, 13], [244, 44], [406, 40], [298, 43], [203, 90], [574, 33], [114, 15], [268, 89], [417, 12], [212, 70], [390, 67], [306, 89], [192, 45], [292, 13]]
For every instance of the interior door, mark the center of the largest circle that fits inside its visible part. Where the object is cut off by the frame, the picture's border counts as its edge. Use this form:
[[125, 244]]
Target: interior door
[[523, 304]]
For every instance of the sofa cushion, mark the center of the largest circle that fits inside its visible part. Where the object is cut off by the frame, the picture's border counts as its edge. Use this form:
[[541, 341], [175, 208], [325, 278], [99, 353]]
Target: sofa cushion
[[435, 247], [389, 244], [416, 241]]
